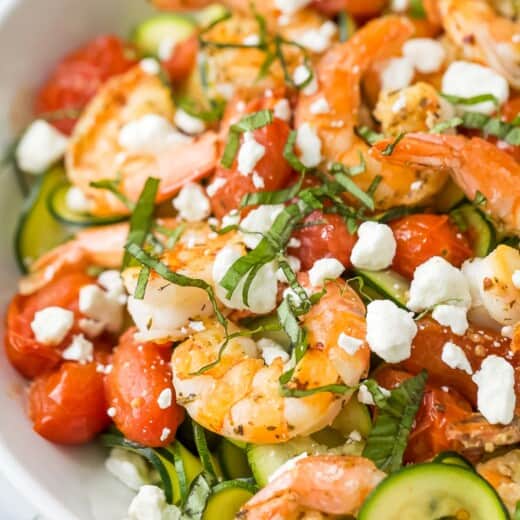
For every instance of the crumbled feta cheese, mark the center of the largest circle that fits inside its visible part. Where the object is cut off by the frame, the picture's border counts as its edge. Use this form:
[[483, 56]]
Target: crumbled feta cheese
[[192, 203], [294, 297], [270, 350], [258, 181], [197, 326], [452, 316], [516, 279], [263, 289], [215, 186], [467, 79], [396, 74], [436, 282], [166, 47], [294, 264], [252, 40], [301, 75], [507, 331], [287, 466], [317, 39], [91, 328], [80, 350], [282, 110], [455, 357], [111, 412], [365, 395], [165, 399], [150, 66], [249, 154], [294, 243], [355, 436], [375, 247], [112, 282], [289, 7], [41, 146], [426, 54], [390, 330], [349, 344], [320, 106], [399, 6], [150, 133], [231, 219], [51, 324], [99, 305], [258, 222], [496, 397], [325, 269], [77, 201], [309, 145], [130, 468], [150, 504], [165, 434], [187, 123]]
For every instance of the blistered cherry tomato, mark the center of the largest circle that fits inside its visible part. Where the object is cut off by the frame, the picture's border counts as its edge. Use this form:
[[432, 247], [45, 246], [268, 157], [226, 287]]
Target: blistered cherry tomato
[[68, 406], [28, 356], [141, 373], [361, 8], [77, 78], [272, 170], [323, 236], [182, 60], [438, 409], [422, 236]]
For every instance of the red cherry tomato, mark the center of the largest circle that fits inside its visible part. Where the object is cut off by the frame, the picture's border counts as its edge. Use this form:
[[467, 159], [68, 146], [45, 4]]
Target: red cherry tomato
[[68, 406], [28, 356], [511, 109], [438, 409], [420, 237], [272, 168], [361, 8], [140, 372], [77, 78], [328, 240], [180, 64]]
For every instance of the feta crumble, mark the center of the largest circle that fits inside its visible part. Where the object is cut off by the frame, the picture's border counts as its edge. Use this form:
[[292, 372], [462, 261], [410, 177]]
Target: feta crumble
[[51, 324], [317, 39], [150, 504], [375, 247], [325, 269], [282, 110], [215, 186], [390, 330], [309, 145], [249, 154], [320, 106], [258, 222], [165, 399], [40, 147], [192, 203], [80, 350], [130, 468], [452, 316], [102, 306], [187, 123], [150, 66], [301, 75], [289, 7], [364, 395], [455, 357], [77, 201], [349, 344], [270, 350], [396, 74], [426, 54]]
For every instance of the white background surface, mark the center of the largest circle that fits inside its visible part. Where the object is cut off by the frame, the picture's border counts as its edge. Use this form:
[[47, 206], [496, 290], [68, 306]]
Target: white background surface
[[13, 506]]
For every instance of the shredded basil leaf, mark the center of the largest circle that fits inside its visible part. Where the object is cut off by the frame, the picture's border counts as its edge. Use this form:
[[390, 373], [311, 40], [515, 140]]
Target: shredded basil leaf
[[473, 100], [112, 185], [333, 389], [441, 127], [210, 115], [346, 25], [479, 199], [141, 219], [271, 197], [290, 156], [368, 135], [387, 441], [200, 491], [389, 149], [351, 171], [416, 9], [201, 444], [142, 282], [492, 126]]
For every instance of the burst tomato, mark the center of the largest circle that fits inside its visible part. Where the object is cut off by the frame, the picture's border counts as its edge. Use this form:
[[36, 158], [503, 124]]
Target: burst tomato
[[77, 78], [438, 409], [361, 8], [180, 64], [328, 238], [68, 406], [140, 373], [28, 356], [422, 236]]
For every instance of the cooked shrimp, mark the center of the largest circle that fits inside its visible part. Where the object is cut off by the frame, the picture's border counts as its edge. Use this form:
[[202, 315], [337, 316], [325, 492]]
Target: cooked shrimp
[[475, 164], [339, 75], [327, 484], [95, 153], [503, 473], [239, 397], [496, 300], [483, 35]]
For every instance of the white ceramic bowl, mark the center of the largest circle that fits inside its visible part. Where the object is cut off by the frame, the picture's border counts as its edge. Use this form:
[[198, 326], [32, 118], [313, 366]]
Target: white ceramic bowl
[[62, 484]]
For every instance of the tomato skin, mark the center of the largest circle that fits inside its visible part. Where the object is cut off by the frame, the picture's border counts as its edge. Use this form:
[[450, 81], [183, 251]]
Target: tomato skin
[[140, 372], [437, 411], [272, 167], [28, 356], [78, 76], [422, 236], [360, 8], [511, 109], [329, 240], [68, 406], [180, 64]]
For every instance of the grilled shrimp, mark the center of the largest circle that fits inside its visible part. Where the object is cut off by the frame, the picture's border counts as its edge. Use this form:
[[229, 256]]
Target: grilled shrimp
[[322, 484], [95, 152], [339, 75], [475, 165], [483, 35], [239, 395]]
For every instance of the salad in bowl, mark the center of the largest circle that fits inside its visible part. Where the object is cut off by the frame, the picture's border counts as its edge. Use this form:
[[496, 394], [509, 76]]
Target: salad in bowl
[[269, 259]]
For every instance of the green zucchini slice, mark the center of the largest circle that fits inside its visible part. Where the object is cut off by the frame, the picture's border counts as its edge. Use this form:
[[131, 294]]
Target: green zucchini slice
[[387, 284], [233, 460], [481, 233], [452, 457], [227, 498]]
